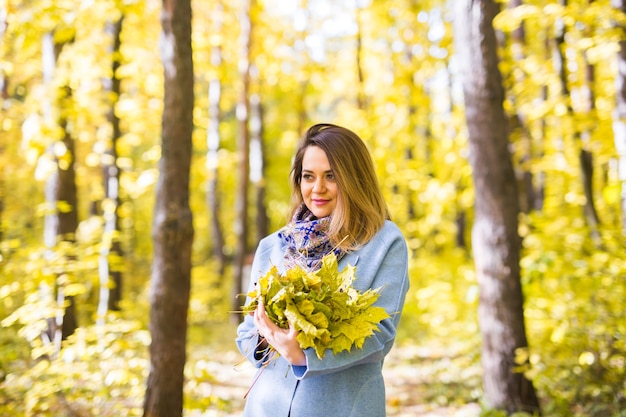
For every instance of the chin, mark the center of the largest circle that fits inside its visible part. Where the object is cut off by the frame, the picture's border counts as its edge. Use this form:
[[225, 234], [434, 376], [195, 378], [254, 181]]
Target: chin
[[320, 213]]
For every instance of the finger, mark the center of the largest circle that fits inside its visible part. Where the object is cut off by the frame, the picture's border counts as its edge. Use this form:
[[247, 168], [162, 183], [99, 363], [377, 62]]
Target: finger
[[292, 331], [260, 330], [257, 317], [261, 311], [261, 319]]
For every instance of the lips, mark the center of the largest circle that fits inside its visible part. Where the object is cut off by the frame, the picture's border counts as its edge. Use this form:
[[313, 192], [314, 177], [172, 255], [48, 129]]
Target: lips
[[320, 202]]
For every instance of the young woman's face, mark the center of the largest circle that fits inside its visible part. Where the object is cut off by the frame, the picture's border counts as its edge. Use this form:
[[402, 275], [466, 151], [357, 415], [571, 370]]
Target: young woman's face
[[317, 185]]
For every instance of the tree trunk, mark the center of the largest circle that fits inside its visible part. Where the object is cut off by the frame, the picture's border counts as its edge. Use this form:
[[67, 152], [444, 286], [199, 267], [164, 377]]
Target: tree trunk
[[519, 127], [213, 147], [111, 250], [361, 99], [172, 225], [619, 117], [585, 157], [243, 149], [61, 227], [61, 193], [304, 59], [65, 190], [4, 97], [496, 243], [257, 165]]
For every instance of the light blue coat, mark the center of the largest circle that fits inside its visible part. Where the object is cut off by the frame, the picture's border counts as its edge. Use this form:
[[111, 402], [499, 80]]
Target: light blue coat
[[349, 384]]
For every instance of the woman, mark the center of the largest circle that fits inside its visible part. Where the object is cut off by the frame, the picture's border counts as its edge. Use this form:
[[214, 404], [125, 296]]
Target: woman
[[337, 206]]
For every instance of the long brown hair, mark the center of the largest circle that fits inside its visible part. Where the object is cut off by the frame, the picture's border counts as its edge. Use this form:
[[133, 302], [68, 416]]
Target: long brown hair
[[361, 209]]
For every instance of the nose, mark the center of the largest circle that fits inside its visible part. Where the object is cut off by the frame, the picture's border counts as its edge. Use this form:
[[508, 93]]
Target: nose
[[319, 185]]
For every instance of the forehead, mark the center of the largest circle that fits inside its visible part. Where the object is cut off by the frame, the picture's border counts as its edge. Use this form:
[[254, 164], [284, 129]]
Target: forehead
[[315, 159]]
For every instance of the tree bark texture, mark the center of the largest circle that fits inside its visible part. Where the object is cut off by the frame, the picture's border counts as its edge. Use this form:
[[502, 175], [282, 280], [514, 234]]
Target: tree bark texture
[[495, 238], [172, 225]]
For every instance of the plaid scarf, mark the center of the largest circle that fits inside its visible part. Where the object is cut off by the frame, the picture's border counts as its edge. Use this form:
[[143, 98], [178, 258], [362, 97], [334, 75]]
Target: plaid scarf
[[306, 240]]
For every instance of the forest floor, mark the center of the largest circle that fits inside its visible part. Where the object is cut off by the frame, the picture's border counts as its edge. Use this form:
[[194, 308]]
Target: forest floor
[[420, 382]]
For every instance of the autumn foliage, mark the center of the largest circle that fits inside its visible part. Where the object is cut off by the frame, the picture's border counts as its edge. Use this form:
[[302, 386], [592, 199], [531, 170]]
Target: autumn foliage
[[323, 305], [71, 89]]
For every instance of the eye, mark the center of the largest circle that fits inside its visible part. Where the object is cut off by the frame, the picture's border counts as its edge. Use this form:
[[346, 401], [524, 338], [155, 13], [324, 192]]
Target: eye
[[307, 177], [330, 176]]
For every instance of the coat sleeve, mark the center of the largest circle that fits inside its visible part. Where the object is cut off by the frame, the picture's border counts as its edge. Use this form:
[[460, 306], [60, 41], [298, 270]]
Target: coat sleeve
[[247, 335], [383, 262]]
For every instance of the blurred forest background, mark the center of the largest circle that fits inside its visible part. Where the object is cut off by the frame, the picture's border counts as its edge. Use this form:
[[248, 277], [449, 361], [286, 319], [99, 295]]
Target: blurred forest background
[[82, 98]]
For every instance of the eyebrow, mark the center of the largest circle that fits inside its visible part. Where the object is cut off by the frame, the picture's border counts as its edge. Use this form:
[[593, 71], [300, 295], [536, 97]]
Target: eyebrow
[[312, 172]]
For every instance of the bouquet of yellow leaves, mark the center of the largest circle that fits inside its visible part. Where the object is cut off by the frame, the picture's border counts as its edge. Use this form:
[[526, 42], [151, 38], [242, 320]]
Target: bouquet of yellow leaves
[[322, 306]]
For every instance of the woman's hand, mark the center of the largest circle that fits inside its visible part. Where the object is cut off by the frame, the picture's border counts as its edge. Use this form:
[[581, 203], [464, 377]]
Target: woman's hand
[[283, 340]]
